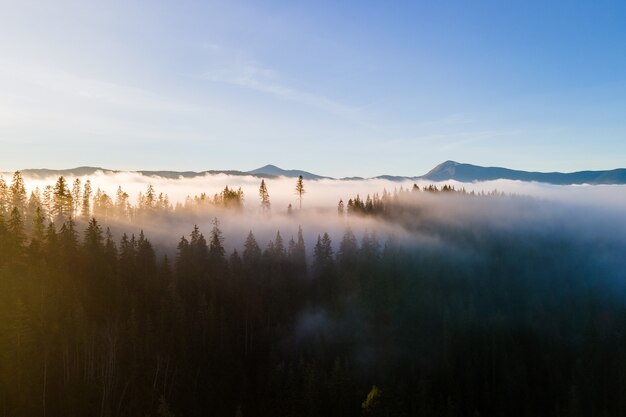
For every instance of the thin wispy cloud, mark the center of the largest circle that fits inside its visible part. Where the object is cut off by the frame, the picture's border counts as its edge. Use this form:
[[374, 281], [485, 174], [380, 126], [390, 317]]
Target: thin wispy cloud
[[45, 101], [75, 86], [264, 80]]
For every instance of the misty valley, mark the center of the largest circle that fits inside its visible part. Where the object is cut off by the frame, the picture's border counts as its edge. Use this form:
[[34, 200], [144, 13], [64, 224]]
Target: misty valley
[[248, 296]]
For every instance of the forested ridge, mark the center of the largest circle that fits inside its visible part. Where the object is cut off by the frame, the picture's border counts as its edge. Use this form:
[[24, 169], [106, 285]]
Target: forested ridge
[[476, 320]]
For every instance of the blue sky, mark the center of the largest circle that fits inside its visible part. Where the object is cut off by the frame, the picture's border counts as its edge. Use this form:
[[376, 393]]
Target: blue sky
[[337, 88]]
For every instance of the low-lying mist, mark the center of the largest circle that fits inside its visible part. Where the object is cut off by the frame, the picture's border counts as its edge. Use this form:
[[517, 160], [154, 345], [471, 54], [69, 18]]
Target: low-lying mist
[[327, 192], [585, 209]]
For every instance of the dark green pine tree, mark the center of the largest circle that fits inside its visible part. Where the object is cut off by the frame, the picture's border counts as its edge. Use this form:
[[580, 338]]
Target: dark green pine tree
[[348, 252], [96, 288], [251, 252], [300, 191], [94, 237], [68, 244], [183, 259], [127, 254], [17, 192], [17, 234], [217, 253], [278, 252], [110, 250], [199, 249], [34, 202], [38, 233], [297, 253], [39, 226], [62, 206], [52, 245], [323, 252], [76, 197], [265, 197], [145, 258], [85, 209], [145, 261]]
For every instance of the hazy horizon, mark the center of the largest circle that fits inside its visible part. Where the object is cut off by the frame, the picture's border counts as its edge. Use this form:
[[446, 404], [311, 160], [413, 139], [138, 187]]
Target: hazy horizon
[[246, 171]]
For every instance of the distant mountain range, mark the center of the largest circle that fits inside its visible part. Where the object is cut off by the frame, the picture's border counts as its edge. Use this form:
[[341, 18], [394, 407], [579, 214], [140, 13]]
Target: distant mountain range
[[451, 170], [42, 173], [447, 171]]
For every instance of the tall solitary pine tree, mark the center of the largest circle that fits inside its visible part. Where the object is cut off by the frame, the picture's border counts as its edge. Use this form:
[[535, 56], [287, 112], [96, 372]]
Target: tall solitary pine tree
[[300, 189], [265, 197]]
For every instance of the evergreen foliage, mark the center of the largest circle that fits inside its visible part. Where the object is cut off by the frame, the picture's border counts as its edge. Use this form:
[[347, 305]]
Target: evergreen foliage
[[300, 189], [265, 197], [94, 325]]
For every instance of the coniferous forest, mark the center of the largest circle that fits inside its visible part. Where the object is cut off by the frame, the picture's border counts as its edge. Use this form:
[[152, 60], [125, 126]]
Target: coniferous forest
[[473, 305]]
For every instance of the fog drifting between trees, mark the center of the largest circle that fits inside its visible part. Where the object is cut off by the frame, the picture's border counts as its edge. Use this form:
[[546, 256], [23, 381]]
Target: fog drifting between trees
[[485, 299]]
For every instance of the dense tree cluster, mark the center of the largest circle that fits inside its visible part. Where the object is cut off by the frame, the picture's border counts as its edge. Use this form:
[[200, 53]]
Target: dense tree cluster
[[95, 325], [61, 202], [389, 203]]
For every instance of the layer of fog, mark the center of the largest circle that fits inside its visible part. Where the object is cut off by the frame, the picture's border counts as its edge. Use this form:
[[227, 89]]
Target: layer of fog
[[326, 192], [579, 209]]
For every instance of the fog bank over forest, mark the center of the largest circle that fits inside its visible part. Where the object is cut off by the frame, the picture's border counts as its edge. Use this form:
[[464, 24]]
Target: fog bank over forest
[[327, 192], [594, 209]]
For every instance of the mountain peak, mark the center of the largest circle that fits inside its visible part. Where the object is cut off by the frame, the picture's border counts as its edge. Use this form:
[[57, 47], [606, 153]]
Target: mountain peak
[[269, 166], [274, 171], [451, 170], [444, 169], [446, 165]]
